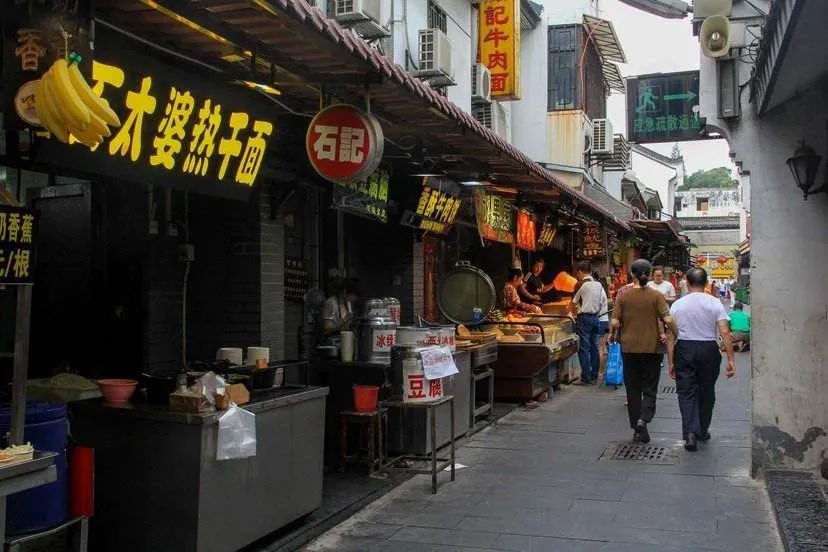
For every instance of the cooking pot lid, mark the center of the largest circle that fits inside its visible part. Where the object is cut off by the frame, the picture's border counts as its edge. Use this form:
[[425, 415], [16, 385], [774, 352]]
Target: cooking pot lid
[[462, 290]]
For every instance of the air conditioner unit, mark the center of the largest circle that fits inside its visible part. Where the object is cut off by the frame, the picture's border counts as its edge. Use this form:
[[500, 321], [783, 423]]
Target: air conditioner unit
[[436, 54], [603, 142], [363, 16], [491, 116], [481, 84], [587, 136]]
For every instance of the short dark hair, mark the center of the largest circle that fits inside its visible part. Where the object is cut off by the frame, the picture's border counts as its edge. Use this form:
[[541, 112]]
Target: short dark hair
[[585, 267], [515, 273], [540, 260], [738, 305], [697, 277], [658, 269]]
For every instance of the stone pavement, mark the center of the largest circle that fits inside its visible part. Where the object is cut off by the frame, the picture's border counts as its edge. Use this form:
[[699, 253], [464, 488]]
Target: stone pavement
[[535, 482]]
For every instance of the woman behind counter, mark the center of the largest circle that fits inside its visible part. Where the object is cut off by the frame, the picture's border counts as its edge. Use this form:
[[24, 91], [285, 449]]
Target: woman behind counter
[[338, 310], [511, 297]]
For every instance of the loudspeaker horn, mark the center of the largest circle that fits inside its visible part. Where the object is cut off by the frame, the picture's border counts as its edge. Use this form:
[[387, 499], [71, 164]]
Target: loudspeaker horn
[[714, 36], [708, 8]]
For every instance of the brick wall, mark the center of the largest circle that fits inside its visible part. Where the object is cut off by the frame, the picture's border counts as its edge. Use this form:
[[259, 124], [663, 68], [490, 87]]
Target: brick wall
[[272, 296]]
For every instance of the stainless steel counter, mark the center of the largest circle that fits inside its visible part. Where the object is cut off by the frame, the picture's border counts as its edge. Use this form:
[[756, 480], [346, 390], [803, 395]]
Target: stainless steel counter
[[159, 487]]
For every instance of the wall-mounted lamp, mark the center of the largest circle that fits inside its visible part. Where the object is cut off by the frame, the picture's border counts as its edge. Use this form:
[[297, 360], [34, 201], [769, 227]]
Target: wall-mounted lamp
[[804, 166]]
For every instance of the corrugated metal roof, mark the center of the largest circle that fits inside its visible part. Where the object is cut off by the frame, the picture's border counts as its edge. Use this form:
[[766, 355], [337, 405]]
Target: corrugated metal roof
[[603, 34]]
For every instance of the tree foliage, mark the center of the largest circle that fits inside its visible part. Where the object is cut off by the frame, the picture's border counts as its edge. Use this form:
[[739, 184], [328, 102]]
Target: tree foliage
[[720, 177]]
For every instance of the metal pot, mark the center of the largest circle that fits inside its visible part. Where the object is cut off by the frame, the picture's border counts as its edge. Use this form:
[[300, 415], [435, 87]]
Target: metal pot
[[392, 305], [408, 378], [447, 336], [376, 308], [464, 289], [418, 336], [376, 337]]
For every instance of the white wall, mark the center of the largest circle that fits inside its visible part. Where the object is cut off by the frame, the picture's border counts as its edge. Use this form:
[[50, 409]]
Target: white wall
[[789, 260], [529, 132], [612, 182], [565, 12], [721, 202]]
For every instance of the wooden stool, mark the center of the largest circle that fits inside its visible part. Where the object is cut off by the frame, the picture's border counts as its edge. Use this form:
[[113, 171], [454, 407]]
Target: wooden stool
[[376, 423]]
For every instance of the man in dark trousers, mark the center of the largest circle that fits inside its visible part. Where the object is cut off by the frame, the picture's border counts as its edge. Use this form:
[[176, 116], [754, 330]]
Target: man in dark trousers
[[696, 359]]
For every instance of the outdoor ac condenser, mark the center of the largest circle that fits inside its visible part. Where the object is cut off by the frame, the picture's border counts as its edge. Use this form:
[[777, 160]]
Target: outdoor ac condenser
[[436, 54], [603, 142], [481, 84], [363, 16]]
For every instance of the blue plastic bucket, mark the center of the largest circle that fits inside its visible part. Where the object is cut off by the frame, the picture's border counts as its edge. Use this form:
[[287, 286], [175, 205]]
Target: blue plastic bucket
[[46, 506]]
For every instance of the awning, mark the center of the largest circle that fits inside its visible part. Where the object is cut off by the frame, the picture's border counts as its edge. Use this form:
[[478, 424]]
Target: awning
[[744, 247], [661, 232], [602, 34], [306, 55]]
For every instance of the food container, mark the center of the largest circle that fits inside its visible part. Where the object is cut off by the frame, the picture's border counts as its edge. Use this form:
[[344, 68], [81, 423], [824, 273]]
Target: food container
[[256, 353], [418, 336], [348, 343], [392, 305], [376, 337], [230, 354], [408, 377], [448, 336], [117, 391], [376, 308]]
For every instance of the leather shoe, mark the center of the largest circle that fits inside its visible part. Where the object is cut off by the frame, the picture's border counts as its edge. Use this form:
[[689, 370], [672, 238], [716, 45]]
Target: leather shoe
[[690, 443], [641, 431], [704, 437]]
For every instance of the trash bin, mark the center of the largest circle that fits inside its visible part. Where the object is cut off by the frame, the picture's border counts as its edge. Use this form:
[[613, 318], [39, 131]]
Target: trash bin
[[46, 427]]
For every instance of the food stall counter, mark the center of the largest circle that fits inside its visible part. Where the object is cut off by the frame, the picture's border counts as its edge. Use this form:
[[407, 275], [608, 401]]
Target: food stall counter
[[158, 485]]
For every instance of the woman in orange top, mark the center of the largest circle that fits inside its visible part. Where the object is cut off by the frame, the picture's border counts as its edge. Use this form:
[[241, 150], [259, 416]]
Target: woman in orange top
[[511, 297]]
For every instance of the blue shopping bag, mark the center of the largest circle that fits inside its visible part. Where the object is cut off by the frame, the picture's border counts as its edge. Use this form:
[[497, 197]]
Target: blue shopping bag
[[615, 365]]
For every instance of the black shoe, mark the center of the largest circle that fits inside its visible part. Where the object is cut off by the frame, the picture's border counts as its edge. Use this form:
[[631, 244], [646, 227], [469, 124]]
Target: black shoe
[[691, 444], [704, 437], [641, 431]]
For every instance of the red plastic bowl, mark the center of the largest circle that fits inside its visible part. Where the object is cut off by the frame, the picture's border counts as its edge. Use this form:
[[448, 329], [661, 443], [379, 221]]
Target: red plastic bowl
[[117, 391]]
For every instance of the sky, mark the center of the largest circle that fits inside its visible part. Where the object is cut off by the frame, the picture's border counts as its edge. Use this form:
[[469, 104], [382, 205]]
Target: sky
[[656, 45]]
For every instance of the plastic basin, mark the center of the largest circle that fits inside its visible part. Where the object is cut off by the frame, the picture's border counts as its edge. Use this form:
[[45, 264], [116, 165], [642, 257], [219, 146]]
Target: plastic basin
[[117, 391]]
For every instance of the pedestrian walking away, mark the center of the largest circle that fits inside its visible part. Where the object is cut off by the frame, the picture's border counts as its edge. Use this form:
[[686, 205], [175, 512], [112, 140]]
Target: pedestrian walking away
[[638, 317], [589, 302], [695, 359]]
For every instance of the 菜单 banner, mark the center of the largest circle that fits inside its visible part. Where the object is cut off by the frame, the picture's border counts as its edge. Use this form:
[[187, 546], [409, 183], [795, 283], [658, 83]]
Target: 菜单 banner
[[499, 46]]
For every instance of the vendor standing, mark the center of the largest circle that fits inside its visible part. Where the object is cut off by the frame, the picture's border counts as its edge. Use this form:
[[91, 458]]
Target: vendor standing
[[532, 288], [338, 310], [511, 296]]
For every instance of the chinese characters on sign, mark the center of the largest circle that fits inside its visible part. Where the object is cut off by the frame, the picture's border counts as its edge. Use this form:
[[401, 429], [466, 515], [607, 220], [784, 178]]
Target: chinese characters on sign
[[664, 108], [526, 231], [435, 211], [367, 198], [17, 233], [416, 387], [494, 217], [547, 235], [384, 340], [344, 144], [593, 241], [499, 46]]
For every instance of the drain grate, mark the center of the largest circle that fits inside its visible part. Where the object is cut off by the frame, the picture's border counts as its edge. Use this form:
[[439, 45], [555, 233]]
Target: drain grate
[[646, 454], [668, 389]]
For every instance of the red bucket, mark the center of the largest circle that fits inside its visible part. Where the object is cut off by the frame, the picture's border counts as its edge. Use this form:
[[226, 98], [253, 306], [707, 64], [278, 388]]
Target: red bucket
[[365, 398]]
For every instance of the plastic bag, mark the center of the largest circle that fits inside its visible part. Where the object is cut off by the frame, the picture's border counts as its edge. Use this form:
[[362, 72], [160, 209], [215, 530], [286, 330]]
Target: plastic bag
[[236, 434], [615, 365], [209, 385]]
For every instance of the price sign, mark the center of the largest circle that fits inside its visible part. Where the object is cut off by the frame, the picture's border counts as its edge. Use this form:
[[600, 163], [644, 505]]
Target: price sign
[[17, 243]]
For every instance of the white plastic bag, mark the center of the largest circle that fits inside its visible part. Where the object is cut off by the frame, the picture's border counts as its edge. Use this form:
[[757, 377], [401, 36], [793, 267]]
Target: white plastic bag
[[236, 434]]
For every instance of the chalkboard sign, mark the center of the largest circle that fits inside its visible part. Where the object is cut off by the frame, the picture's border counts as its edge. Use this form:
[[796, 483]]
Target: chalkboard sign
[[592, 240]]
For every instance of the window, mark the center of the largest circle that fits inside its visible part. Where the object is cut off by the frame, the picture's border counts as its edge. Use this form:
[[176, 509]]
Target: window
[[436, 17], [702, 204], [562, 79], [677, 205]]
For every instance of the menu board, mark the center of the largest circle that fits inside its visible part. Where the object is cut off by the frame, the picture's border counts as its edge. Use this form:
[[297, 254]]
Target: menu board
[[366, 198], [494, 217], [296, 278], [526, 231], [592, 240], [18, 228]]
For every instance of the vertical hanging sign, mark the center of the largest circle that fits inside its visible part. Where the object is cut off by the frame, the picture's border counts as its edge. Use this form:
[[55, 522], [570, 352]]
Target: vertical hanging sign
[[18, 228], [499, 46]]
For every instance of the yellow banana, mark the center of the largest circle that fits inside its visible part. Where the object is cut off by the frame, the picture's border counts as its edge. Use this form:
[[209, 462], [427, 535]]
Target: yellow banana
[[67, 101], [43, 104], [98, 126], [95, 103], [87, 137]]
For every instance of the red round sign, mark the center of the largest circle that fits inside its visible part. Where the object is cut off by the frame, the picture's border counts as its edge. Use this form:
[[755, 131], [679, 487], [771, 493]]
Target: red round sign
[[344, 144]]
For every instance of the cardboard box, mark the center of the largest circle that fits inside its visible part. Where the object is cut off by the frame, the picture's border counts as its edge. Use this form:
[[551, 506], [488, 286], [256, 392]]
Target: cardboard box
[[236, 393]]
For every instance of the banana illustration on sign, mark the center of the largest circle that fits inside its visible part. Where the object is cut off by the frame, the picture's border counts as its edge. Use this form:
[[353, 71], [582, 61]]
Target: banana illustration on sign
[[68, 108]]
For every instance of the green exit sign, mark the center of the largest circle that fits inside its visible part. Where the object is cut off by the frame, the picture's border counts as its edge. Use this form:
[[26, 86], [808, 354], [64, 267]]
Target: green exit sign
[[664, 108]]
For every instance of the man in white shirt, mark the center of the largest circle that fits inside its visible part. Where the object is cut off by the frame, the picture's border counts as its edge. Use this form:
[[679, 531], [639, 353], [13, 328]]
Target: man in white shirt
[[700, 318], [590, 302], [658, 283]]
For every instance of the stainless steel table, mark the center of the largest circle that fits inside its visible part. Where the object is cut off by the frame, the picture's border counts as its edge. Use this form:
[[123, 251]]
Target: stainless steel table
[[22, 476]]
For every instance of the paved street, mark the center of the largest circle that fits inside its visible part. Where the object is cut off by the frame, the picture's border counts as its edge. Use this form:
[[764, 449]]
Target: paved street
[[536, 482]]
